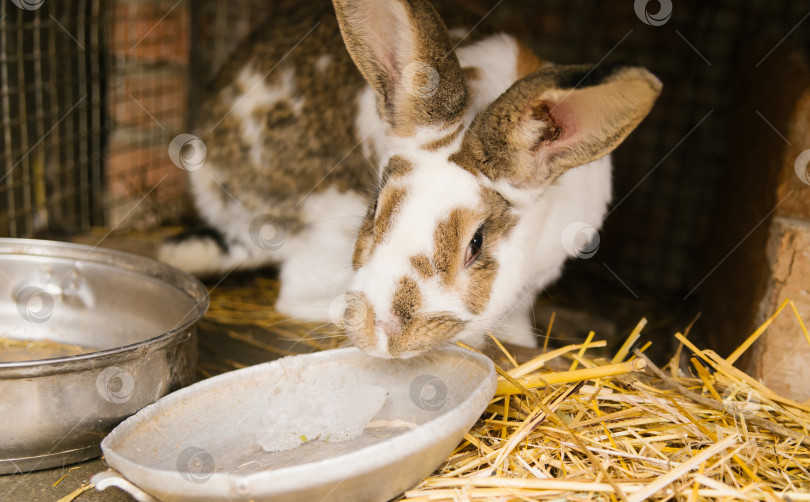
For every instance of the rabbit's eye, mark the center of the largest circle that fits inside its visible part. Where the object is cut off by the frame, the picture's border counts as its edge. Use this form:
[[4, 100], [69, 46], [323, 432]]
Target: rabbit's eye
[[474, 248]]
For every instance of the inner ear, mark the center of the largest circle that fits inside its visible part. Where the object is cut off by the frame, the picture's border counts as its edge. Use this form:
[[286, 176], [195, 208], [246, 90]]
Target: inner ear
[[578, 126], [548, 127], [376, 33], [538, 128]]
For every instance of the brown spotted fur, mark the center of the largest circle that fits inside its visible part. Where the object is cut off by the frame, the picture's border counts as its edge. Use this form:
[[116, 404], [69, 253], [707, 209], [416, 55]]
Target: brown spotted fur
[[397, 167], [407, 300], [450, 238], [390, 202], [305, 154], [359, 319], [425, 331], [365, 237], [421, 263], [376, 227], [443, 141]]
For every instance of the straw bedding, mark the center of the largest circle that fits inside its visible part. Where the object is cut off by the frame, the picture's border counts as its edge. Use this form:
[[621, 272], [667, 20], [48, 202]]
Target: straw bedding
[[598, 429]]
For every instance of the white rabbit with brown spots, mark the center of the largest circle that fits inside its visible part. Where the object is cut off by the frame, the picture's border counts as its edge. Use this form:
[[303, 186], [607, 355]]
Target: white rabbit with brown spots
[[429, 191]]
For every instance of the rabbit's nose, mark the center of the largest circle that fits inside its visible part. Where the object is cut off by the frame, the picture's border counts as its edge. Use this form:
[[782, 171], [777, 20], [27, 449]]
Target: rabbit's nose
[[391, 324]]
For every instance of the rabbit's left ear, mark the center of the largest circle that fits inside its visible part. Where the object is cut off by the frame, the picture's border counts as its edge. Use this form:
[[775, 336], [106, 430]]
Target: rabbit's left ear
[[402, 49], [555, 119]]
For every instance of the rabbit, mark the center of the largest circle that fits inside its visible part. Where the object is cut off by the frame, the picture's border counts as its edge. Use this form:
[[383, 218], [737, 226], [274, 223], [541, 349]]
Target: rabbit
[[415, 183]]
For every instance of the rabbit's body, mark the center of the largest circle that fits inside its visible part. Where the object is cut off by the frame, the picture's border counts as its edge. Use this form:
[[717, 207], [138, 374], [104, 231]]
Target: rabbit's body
[[280, 132], [287, 179], [299, 146]]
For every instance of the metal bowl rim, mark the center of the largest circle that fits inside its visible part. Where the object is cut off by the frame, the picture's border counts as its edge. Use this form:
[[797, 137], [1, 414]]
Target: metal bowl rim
[[196, 290]]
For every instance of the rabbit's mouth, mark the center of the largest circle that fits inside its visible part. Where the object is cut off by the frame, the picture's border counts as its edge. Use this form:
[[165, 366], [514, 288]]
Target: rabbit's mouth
[[420, 333], [395, 336]]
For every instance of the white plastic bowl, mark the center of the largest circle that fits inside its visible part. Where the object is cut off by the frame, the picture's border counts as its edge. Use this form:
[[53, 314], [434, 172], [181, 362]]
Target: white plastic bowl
[[200, 443]]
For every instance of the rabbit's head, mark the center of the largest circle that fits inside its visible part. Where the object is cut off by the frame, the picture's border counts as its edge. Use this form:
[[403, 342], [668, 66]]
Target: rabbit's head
[[438, 256]]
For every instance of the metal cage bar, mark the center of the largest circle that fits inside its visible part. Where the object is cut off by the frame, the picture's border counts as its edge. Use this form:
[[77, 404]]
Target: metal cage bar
[[51, 106]]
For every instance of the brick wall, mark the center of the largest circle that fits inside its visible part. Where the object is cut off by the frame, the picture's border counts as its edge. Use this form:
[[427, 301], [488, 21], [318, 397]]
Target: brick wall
[[780, 359], [148, 106]]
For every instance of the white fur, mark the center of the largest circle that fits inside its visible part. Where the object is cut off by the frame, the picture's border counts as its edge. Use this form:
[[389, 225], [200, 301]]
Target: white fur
[[199, 256], [534, 254], [517, 325], [321, 252], [317, 261], [428, 201], [225, 214], [411, 145], [370, 129], [495, 58]]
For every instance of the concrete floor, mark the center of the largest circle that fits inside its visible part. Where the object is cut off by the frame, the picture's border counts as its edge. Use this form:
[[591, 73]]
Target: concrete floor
[[39, 485]]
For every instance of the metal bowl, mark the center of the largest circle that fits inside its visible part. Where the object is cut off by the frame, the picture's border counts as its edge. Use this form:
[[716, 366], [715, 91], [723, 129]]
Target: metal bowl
[[135, 317]]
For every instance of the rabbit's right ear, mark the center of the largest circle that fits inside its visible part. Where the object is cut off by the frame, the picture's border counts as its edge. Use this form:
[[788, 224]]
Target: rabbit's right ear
[[402, 49], [556, 119]]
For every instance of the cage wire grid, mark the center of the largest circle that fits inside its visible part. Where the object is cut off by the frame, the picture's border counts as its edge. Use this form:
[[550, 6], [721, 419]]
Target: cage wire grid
[[52, 110], [145, 65], [667, 173]]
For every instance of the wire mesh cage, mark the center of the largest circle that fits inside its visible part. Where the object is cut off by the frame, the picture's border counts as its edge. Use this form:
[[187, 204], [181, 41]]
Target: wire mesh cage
[[93, 93], [667, 172]]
